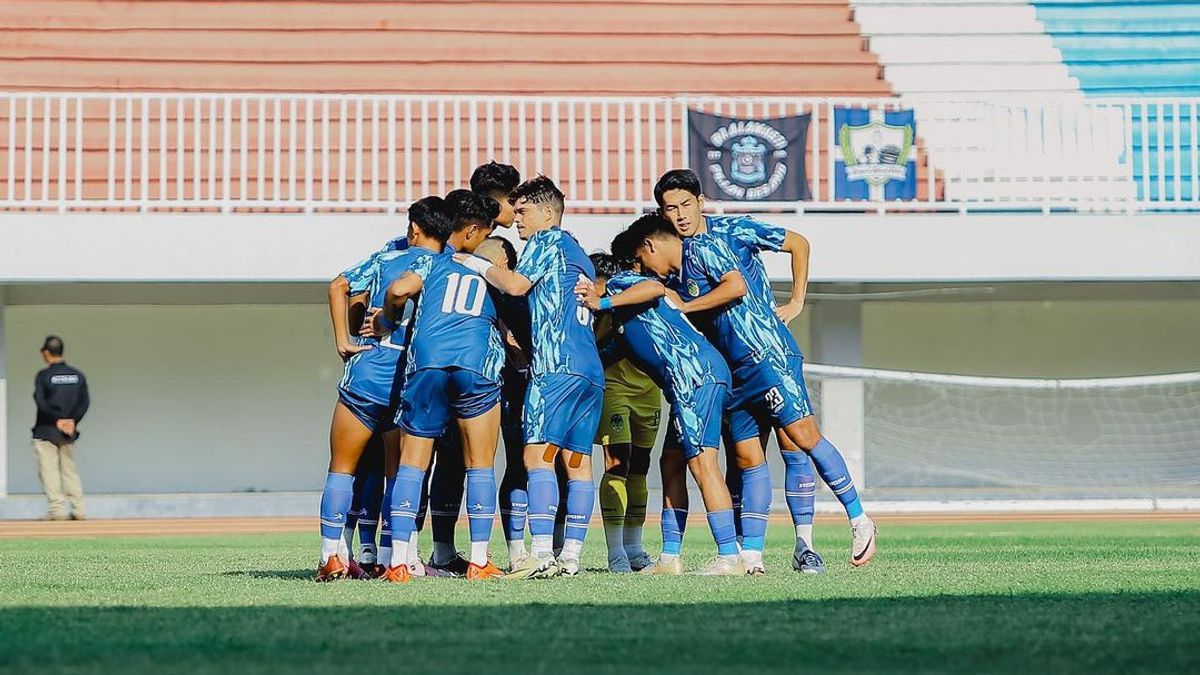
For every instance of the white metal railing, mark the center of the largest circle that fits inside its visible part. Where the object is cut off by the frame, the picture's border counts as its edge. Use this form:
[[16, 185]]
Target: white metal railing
[[309, 152]]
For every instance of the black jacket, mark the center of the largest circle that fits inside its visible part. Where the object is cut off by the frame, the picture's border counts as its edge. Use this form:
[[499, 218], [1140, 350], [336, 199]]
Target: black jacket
[[60, 393]]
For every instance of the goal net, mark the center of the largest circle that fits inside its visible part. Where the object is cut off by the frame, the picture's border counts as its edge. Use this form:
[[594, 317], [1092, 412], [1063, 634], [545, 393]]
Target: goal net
[[947, 437]]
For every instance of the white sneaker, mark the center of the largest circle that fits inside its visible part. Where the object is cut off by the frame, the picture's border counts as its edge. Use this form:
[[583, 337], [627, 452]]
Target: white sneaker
[[640, 561], [535, 568], [862, 541], [568, 567], [723, 566], [670, 566], [619, 564]]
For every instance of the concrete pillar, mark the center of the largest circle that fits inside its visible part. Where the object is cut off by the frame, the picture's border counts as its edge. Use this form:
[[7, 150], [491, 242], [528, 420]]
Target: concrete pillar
[[3, 405], [837, 341]]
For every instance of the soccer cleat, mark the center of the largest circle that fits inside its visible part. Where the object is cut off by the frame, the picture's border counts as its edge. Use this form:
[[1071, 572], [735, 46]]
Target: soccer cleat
[[672, 566], [568, 567], [374, 570], [807, 561], [418, 568], [456, 567], [397, 575], [518, 562], [331, 570], [535, 568], [862, 541], [640, 561], [356, 571], [488, 571], [756, 569], [619, 564], [723, 566]]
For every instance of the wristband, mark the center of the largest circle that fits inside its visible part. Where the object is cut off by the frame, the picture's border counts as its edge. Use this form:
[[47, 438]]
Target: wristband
[[477, 265], [605, 303]]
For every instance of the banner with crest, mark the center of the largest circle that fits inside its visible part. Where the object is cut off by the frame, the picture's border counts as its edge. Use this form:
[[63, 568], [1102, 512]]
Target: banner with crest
[[749, 160], [875, 156]]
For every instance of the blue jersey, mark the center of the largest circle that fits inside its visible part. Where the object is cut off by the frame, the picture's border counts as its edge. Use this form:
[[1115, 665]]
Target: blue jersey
[[746, 238], [745, 330], [373, 374], [664, 345], [563, 342], [456, 324], [359, 276]]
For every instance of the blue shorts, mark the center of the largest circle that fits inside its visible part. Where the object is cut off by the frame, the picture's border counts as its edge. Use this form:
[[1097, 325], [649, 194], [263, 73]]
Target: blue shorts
[[696, 419], [768, 395], [432, 396], [378, 417], [562, 410]]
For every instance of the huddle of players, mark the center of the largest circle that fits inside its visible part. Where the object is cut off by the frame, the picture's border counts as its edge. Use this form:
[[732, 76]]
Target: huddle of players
[[684, 300]]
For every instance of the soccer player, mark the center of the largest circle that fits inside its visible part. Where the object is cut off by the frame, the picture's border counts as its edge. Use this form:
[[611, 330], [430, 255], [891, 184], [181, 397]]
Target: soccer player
[[566, 388], [768, 392], [678, 195], [368, 393], [456, 353], [497, 181], [628, 428], [695, 380]]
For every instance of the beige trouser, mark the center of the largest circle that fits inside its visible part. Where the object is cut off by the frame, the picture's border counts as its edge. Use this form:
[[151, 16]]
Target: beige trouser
[[60, 478]]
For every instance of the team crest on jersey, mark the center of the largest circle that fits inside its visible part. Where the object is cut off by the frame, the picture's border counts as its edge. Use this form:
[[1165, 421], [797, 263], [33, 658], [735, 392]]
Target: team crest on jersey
[[617, 422], [693, 288]]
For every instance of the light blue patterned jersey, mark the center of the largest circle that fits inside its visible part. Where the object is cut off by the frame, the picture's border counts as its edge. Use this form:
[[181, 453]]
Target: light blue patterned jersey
[[745, 330], [563, 342], [456, 324], [746, 238], [360, 274], [664, 345], [372, 374]]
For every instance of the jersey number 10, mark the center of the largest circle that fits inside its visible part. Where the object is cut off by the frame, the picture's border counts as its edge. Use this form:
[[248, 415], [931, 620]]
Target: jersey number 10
[[464, 294]]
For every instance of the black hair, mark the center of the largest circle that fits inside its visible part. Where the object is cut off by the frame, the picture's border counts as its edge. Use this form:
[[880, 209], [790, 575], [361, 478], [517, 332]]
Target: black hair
[[54, 345], [540, 190], [472, 209], [677, 179], [649, 226], [605, 264], [495, 179], [505, 245], [434, 216]]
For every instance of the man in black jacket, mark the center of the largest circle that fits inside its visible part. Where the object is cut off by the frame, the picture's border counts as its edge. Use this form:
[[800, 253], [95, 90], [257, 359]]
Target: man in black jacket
[[61, 394]]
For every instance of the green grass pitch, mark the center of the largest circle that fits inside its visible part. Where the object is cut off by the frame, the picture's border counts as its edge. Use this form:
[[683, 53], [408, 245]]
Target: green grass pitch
[[986, 597]]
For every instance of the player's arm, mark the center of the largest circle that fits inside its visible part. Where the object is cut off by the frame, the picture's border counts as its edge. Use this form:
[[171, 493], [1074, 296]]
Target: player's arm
[[339, 311], [382, 320], [731, 288], [509, 282], [796, 246], [637, 294]]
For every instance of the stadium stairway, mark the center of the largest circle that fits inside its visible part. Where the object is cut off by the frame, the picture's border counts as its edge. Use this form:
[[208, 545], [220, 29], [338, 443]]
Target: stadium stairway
[[1126, 48], [971, 54]]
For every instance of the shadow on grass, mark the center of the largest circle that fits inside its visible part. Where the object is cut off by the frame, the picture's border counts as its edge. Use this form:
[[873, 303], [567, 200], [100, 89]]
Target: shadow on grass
[[291, 575], [1053, 633]]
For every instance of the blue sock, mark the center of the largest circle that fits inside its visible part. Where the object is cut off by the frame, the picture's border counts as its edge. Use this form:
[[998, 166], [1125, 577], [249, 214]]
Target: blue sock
[[406, 500], [368, 514], [581, 500], [385, 514], [723, 531], [335, 503], [514, 507], [756, 506], [674, 522], [481, 510], [799, 486], [543, 505], [833, 471]]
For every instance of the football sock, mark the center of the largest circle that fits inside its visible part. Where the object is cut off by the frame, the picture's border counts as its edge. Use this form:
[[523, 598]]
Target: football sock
[[481, 510], [614, 500], [635, 514], [514, 508], [674, 521], [368, 513], [414, 549], [445, 504], [385, 524], [581, 501], [543, 505], [800, 488], [335, 502], [833, 471], [756, 506], [406, 497], [723, 531]]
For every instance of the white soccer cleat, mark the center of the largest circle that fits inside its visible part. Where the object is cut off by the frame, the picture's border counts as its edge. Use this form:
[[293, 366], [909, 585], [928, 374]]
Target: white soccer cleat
[[862, 541], [535, 568], [568, 567], [755, 569], [670, 566], [723, 566]]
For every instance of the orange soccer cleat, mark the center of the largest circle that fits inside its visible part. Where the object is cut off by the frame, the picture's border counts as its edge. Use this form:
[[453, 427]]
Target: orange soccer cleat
[[397, 575], [333, 569], [488, 571]]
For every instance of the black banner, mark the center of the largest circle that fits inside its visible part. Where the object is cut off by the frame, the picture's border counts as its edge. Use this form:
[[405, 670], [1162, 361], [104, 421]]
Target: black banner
[[746, 160]]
